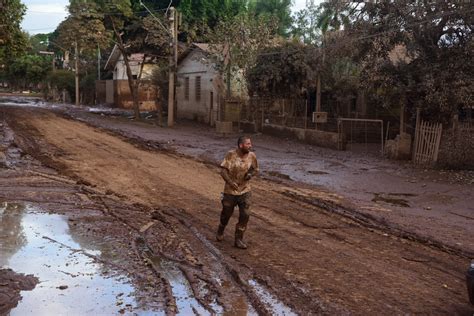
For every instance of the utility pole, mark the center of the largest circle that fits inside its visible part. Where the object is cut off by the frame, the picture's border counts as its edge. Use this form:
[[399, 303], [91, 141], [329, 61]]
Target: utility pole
[[98, 62], [172, 69], [76, 52], [173, 58]]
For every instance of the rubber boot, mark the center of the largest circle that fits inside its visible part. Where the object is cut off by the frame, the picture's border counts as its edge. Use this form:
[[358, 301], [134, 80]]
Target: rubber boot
[[220, 233], [239, 235]]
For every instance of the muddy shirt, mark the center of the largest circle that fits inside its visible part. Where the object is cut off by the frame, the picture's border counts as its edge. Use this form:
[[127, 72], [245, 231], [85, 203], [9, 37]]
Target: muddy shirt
[[238, 168]]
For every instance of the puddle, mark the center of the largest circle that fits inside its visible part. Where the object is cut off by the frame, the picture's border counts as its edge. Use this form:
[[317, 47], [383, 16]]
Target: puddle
[[71, 283], [21, 101], [182, 292], [390, 199], [240, 306], [180, 287], [276, 307]]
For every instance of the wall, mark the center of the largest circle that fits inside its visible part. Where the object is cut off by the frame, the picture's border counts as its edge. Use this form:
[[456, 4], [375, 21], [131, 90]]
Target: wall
[[100, 91], [147, 96], [194, 65], [456, 149], [313, 137]]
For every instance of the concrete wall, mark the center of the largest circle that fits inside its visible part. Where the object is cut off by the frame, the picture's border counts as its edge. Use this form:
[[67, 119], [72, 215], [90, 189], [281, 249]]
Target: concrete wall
[[313, 137], [100, 91], [204, 110], [456, 149], [109, 93]]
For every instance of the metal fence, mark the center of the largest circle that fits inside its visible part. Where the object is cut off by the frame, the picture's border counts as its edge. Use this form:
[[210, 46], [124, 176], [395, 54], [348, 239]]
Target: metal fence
[[293, 113], [362, 135]]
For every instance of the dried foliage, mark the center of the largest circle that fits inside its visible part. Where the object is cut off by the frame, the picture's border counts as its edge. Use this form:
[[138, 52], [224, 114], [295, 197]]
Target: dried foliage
[[435, 40], [286, 70]]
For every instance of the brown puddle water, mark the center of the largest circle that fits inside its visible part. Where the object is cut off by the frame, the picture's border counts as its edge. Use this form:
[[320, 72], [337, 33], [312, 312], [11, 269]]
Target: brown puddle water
[[71, 283]]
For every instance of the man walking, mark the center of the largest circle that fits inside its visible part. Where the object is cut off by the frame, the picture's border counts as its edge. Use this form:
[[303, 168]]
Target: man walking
[[237, 168]]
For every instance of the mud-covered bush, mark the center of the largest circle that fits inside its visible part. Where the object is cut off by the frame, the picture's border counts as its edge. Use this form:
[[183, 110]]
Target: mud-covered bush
[[63, 80], [457, 149], [87, 89]]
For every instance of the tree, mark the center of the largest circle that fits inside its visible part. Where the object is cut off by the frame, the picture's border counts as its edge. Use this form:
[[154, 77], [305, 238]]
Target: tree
[[285, 70], [279, 9], [83, 31], [27, 70], [313, 24], [236, 43], [12, 40], [435, 70], [201, 16], [135, 33], [305, 24], [62, 79]]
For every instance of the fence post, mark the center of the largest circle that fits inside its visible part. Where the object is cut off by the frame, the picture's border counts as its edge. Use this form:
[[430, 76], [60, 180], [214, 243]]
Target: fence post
[[417, 127], [306, 114], [438, 141]]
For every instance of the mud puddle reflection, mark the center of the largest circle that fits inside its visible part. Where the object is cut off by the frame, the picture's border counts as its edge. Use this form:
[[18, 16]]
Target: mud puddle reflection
[[275, 305], [71, 283], [186, 302]]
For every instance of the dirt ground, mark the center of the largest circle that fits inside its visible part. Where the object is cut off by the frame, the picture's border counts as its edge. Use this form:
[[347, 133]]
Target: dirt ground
[[309, 253], [390, 191]]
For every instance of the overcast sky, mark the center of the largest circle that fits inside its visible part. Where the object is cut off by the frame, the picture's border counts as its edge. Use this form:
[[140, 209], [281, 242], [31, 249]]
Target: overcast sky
[[43, 16]]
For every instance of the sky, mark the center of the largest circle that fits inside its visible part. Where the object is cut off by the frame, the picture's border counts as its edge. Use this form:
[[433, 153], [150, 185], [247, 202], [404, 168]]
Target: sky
[[43, 16]]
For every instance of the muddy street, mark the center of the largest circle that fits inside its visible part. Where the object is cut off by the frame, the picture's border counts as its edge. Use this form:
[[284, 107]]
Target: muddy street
[[97, 216]]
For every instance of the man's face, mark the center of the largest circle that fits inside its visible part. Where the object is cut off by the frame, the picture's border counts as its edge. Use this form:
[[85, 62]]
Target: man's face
[[246, 146]]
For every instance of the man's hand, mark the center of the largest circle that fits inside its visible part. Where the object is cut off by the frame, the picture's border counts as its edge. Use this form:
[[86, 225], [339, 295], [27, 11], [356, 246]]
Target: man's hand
[[249, 173], [226, 177], [234, 185]]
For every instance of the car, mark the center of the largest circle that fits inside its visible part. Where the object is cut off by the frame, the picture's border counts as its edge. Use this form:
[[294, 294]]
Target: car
[[470, 282]]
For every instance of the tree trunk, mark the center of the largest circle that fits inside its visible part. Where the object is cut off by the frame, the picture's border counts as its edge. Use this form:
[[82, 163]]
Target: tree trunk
[[132, 85]]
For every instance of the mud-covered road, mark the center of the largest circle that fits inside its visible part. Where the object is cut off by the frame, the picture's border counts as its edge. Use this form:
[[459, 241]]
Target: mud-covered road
[[159, 210]]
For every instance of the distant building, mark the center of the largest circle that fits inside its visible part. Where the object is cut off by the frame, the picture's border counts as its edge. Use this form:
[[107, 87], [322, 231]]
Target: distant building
[[117, 90], [201, 91]]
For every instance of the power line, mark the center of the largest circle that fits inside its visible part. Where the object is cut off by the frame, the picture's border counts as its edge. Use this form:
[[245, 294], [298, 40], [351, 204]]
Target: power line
[[40, 29], [100, 12]]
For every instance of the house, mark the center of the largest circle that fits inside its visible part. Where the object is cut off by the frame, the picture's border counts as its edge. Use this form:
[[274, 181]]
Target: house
[[200, 90], [137, 62], [117, 90]]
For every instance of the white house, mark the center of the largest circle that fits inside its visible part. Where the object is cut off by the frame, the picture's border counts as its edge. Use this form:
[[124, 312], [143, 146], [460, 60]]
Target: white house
[[197, 96], [117, 90], [116, 63], [200, 91]]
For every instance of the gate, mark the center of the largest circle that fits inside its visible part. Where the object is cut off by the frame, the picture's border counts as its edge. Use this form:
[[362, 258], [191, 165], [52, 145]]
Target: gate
[[361, 135], [427, 139]]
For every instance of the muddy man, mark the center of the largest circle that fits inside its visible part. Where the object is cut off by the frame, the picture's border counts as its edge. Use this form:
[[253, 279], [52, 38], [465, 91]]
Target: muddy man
[[237, 168]]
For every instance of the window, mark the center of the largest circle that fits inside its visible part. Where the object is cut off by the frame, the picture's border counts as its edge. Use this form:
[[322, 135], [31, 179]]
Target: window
[[198, 88], [186, 88]]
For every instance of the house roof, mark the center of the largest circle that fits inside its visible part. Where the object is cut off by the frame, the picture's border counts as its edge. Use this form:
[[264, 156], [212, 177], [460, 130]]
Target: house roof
[[205, 47], [115, 56]]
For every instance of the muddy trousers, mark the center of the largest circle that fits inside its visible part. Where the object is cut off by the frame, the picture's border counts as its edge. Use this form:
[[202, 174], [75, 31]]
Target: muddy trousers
[[228, 204]]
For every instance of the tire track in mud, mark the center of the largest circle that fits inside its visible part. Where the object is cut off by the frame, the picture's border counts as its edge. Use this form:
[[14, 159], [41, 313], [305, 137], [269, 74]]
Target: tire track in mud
[[374, 222], [313, 262]]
